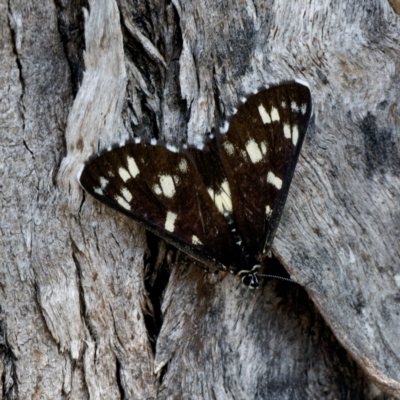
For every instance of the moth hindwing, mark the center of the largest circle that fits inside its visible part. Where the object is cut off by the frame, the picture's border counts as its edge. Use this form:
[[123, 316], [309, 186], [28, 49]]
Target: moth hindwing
[[222, 204]]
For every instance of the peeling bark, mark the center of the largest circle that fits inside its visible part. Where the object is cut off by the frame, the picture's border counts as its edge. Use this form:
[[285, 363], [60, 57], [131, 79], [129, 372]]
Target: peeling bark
[[91, 309]]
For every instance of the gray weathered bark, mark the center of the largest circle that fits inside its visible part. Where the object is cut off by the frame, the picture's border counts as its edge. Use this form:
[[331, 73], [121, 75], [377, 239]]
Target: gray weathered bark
[[89, 310]]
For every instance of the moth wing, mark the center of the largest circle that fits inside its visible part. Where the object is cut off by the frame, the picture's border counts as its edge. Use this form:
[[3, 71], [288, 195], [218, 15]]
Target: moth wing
[[162, 191], [259, 154]]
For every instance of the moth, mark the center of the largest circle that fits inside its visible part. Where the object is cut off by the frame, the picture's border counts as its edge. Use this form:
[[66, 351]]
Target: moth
[[220, 204]]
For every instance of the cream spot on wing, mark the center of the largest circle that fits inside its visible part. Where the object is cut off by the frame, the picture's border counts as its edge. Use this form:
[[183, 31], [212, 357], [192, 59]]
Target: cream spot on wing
[[253, 151], [294, 106], [295, 134], [303, 108], [127, 194], [274, 180], [157, 189], [283, 104], [264, 148], [228, 146], [275, 114], [234, 111], [132, 167], [196, 240], [172, 148], [264, 115], [124, 174], [218, 202], [222, 199], [122, 202], [268, 211], [167, 185], [99, 191], [170, 221], [103, 182], [224, 128], [286, 131], [183, 166], [153, 142], [177, 180], [226, 196]]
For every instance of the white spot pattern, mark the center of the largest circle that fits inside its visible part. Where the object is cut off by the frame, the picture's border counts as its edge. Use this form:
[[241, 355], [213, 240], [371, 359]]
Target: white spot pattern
[[127, 194], [172, 148], [103, 182], [170, 221], [294, 106], [196, 240], [132, 167], [222, 199], [253, 151], [275, 114], [122, 202], [183, 166], [153, 142], [264, 148], [264, 115], [286, 131], [167, 185], [268, 211], [295, 134], [157, 189], [226, 196], [124, 174], [177, 180], [303, 108], [228, 146], [274, 180]]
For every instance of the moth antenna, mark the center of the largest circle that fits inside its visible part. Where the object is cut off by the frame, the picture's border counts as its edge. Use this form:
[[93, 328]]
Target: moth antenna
[[280, 278]]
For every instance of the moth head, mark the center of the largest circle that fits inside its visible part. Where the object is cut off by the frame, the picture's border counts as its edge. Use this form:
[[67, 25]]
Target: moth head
[[250, 277]]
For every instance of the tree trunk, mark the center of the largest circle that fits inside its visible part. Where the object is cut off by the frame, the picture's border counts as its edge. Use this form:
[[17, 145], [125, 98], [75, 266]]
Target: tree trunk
[[92, 307]]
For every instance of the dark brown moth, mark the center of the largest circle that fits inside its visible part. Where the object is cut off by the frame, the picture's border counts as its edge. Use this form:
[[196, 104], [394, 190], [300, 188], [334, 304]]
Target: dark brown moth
[[220, 204]]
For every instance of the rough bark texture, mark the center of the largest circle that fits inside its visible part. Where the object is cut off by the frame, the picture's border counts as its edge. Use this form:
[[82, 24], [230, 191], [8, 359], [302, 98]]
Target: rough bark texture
[[89, 309]]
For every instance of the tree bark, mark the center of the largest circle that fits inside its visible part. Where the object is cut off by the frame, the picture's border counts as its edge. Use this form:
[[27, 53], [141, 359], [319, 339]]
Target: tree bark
[[92, 307]]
